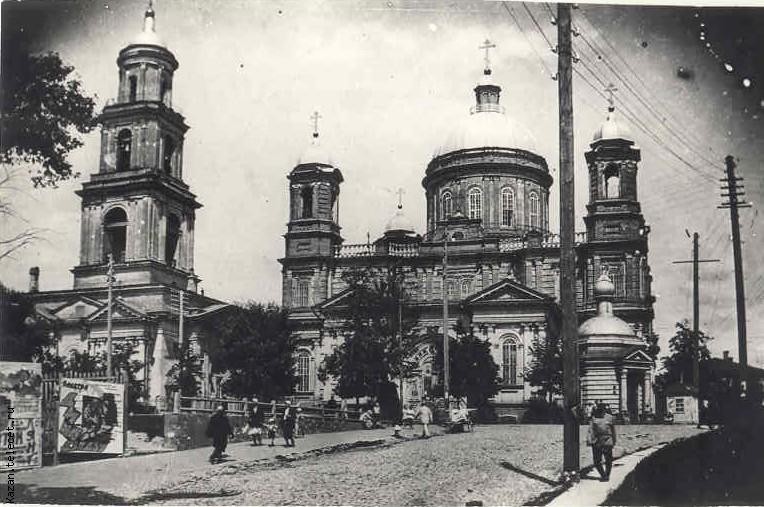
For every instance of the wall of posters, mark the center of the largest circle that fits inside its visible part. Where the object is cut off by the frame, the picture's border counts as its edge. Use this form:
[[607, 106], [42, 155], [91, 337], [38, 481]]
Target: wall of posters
[[20, 415], [91, 417]]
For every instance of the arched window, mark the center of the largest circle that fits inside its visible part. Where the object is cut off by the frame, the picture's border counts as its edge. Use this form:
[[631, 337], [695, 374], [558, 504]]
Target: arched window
[[509, 361], [612, 182], [507, 207], [133, 83], [466, 288], [447, 205], [124, 147], [303, 371], [115, 235], [307, 202], [475, 197], [169, 153], [451, 288], [171, 239], [533, 206]]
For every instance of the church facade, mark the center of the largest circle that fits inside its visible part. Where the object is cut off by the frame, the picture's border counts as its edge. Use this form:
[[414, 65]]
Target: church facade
[[137, 228], [487, 199]]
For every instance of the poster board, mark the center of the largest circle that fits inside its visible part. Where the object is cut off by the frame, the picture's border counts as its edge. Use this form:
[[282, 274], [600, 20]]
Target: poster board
[[91, 417], [20, 415]]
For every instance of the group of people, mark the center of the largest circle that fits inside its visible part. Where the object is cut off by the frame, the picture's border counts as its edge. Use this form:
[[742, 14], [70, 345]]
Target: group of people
[[601, 437], [219, 428]]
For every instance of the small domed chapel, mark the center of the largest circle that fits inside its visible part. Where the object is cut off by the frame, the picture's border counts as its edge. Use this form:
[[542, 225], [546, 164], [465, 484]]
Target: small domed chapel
[[487, 197]]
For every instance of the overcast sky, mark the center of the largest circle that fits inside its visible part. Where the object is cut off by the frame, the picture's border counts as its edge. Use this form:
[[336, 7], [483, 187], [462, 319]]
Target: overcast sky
[[390, 78]]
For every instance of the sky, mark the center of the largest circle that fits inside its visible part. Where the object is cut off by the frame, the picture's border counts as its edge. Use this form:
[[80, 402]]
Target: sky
[[390, 78]]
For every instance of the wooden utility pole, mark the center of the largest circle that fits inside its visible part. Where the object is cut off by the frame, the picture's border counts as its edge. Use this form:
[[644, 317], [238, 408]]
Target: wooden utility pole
[[733, 203], [446, 365], [695, 304], [110, 279], [567, 236]]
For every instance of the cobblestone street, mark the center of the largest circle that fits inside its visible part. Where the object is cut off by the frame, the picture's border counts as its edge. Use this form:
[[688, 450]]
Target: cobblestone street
[[506, 464]]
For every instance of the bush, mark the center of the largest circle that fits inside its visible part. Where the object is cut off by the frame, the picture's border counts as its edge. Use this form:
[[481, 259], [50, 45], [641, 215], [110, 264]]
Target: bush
[[542, 412]]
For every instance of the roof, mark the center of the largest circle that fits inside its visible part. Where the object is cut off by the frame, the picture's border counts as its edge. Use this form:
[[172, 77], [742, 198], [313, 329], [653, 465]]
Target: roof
[[612, 128], [507, 289], [487, 129]]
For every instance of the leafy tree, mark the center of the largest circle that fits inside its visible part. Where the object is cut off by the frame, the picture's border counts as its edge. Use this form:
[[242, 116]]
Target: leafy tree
[[678, 365], [379, 331], [473, 373], [185, 375], [44, 108], [545, 371], [253, 342], [25, 336]]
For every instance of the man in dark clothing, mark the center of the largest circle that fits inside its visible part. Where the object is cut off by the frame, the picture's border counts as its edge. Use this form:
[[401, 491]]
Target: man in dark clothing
[[218, 430], [287, 427]]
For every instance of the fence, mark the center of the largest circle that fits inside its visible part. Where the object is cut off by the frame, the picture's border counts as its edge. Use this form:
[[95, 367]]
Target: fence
[[237, 406]]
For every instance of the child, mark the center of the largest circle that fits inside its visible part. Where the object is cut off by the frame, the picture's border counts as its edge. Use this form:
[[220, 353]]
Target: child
[[271, 426]]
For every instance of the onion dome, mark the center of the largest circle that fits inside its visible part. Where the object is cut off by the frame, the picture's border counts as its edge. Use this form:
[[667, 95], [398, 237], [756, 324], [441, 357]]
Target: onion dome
[[613, 128], [399, 224], [148, 37], [487, 126], [605, 323]]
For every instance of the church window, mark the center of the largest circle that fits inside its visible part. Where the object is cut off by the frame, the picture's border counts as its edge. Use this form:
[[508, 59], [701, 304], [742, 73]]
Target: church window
[[447, 205], [307, 202], [509, 361], [303, 371], [299, 293], [475, 197], [171, 239], [507, 207], [451, 288], [466, 288], [612, 182], [124, 147], [133, 83], [533, 201], [169, 153], [115, 235]]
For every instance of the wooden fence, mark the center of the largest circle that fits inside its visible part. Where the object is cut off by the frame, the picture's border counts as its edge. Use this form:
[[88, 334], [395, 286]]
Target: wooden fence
[[237, 406]]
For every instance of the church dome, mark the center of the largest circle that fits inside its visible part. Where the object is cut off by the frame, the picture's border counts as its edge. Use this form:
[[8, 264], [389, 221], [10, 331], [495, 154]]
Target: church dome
[[399, 223], [612, 128], [316, 153], [148, 37], [487, 126], [605, 323]]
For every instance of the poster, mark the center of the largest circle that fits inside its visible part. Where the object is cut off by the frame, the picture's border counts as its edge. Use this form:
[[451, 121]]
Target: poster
[[91, 417], [20, 415]]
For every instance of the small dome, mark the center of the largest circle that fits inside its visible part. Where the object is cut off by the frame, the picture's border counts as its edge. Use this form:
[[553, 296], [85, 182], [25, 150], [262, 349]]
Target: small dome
[[399, 223], [487, 129], [604, 286], [148, 37], [315, 153], [605, 325], [612, 128]]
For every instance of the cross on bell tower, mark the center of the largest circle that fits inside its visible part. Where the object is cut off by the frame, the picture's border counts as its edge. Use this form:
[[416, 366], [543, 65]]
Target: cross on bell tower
[[610, 89], [487, 45], [314, 120]]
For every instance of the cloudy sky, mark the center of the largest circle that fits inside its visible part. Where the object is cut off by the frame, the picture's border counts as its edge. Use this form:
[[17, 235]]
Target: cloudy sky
[[390, 78]]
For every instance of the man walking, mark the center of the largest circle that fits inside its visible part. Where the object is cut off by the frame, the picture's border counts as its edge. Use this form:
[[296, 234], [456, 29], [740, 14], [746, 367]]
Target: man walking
[[602, 439], [288, 424], [218, 429], [425, 417]]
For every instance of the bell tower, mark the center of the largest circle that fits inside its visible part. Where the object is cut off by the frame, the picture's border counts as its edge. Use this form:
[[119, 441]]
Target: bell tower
[[137, 209], [616, 230]]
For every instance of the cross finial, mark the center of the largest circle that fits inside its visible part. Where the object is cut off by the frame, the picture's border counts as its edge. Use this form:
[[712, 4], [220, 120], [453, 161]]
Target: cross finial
[[315, 117], [487, 45], [400, 193], [610, 89]]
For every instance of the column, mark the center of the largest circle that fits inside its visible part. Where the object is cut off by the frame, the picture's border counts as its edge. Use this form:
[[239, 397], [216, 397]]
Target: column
[[623, 392], [648, 391]]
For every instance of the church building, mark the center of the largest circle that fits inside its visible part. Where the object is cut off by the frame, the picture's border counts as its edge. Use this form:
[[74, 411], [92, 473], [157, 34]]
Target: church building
[[487, 199], [137, 228]]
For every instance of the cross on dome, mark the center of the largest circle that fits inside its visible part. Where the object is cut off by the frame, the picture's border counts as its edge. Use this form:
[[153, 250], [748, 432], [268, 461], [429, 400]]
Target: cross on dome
[[487, 45], [400, 193], [610, 89], [314, 118]]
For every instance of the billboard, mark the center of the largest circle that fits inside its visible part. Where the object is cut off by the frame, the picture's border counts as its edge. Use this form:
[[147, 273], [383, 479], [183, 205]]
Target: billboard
[[91, 417], [21, 415]]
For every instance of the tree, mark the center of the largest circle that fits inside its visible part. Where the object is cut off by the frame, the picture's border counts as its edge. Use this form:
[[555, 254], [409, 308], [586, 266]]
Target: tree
[[379, 331], [25, 336], [473, 372], [44, 109], [253, 342], [545, 371], [679, 364], [185, 375]]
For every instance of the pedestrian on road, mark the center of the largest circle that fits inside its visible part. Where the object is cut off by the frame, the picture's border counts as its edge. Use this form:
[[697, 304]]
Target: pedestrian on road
[[287, 425], [602, 438], [344, 408], [271, 430], [425, 417], [218, 429], [255, 418]]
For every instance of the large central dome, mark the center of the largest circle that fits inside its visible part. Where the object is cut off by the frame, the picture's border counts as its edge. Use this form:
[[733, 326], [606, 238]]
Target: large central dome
[[487, 126]]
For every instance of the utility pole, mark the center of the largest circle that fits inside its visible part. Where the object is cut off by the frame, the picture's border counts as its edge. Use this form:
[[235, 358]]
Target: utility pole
[[567, 236], [110, 279], [733, 203], [446, 366], [695, 305]]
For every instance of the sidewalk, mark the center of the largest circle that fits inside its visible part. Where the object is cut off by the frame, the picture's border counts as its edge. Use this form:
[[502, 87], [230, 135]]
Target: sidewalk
[[591, 491], [119, 480]]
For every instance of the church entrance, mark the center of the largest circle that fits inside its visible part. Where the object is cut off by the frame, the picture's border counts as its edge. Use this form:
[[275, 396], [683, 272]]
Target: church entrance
[[633, 381]]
